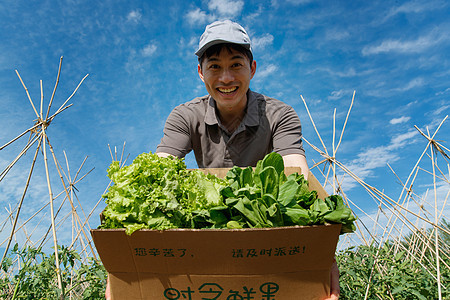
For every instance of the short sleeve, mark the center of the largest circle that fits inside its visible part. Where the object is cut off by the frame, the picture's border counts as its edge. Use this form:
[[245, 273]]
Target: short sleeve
[[287, 135], [177, 138]]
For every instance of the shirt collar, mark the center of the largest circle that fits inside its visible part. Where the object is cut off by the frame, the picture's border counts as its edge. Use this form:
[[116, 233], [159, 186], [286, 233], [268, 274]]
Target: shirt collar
[[251, 118]]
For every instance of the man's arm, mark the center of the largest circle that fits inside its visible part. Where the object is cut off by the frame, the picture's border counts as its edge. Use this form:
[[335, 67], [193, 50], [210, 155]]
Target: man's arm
[[335, 290], [163, 154], [297, 160], [176, 140]]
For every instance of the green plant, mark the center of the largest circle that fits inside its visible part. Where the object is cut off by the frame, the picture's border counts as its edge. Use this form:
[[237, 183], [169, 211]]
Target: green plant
[[266, 197], [36, 277], [385, 274]]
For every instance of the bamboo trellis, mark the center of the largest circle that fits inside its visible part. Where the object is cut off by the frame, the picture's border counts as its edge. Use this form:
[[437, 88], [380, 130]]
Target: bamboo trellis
[[38, 135], [395, 211]]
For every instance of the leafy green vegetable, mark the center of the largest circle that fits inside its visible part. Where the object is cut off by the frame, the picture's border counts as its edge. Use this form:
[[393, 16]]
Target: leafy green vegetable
[[266, 197], [160, 193]]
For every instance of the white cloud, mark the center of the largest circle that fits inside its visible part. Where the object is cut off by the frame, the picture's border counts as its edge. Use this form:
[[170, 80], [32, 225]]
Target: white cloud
[[416, 82], [339, 94], [262, 41], [377, 157], [193, 41], [266, 71], [412, 46], [188, 44], [298, 2], [226, 8], [255, 15], [274, 3], [443, 108], [401, 140], [134, 16], [399, 120], [443, 92], [414, 7], [336, 34], [219, 9], [379, 90], [149, 50], [350, 72], [197, 16]]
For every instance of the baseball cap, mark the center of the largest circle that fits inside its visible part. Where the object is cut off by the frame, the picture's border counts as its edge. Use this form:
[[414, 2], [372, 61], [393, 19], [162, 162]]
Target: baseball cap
[[225, 31]]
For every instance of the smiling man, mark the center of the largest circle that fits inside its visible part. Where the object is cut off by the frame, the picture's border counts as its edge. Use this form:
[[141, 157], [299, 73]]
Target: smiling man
[[232, 125]]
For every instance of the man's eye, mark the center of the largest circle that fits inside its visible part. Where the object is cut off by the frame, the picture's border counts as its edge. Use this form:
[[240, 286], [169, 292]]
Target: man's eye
[[236, 65], [214, 66]]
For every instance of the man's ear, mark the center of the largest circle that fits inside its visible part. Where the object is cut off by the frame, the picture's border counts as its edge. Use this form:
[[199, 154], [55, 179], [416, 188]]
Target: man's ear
[[200, 72], [252, 69]]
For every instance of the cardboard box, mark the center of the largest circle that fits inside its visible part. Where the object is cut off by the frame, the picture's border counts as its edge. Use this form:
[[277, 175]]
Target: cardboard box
[[269, 264]]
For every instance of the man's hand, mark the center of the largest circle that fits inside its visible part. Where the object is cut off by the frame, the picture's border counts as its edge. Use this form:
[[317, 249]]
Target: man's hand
[[107, 291], [297, 160], [334, 283]]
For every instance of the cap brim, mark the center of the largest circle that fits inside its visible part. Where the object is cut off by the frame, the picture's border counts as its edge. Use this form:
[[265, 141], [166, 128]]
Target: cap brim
[[202, 50]]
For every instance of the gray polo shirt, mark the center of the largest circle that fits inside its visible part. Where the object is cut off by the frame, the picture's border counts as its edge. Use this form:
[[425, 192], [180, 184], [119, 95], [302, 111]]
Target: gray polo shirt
[[268, 125]]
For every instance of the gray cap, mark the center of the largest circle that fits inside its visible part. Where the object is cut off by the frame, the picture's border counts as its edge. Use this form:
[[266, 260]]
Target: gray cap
[[223, 32]]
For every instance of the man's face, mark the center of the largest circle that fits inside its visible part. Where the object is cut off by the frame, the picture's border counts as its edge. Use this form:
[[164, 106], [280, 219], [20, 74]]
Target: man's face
[[227, 78]]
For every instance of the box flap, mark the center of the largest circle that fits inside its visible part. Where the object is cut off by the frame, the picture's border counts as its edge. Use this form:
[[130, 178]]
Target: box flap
[[314, 185]]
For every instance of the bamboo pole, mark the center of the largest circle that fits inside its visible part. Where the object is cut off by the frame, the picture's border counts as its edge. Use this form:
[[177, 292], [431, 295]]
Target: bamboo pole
[[79, 84], [334, 150], [41, 117], [52, 214], [314, 125], [436, 222], [54, 89], [345, 123]]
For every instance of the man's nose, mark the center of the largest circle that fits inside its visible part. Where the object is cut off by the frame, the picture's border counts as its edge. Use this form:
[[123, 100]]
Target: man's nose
[[226, 76]]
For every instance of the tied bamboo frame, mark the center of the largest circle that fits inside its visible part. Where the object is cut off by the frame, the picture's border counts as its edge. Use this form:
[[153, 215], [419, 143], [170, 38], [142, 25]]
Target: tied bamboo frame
[[38, 133], [398, 210]]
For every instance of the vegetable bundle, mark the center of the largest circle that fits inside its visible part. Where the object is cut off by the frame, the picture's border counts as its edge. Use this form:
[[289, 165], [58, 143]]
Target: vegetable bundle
[[160, 193]]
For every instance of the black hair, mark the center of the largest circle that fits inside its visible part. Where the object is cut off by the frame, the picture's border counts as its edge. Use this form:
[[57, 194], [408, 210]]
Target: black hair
[[216, 49]]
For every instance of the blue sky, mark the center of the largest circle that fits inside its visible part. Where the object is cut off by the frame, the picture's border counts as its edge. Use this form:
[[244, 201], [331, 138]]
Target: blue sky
[[140, 59]]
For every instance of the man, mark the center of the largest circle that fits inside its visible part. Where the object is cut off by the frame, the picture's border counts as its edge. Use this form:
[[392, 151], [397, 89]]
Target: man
[[233, 125]]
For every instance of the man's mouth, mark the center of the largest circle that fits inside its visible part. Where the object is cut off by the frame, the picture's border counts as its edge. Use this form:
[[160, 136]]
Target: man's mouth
[[227, 90]]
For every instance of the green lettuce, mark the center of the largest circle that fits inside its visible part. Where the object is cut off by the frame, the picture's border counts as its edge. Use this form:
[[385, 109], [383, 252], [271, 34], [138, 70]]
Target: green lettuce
[[159, 193]]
